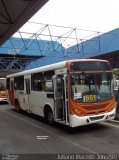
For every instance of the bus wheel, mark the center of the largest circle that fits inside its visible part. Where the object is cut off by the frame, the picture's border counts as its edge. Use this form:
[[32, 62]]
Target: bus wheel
[[49, 117]]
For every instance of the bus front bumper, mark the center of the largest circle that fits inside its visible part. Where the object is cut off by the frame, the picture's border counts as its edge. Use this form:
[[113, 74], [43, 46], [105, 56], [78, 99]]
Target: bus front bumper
[[3, 99], [85, 120]]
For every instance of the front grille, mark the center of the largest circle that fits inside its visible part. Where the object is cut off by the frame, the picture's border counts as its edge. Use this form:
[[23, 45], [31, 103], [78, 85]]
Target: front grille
[[99, 112], [96, 118], [3, 96], [95, 107]]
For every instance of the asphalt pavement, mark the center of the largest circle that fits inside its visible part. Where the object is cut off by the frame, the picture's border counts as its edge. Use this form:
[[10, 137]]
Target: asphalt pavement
[[26, 135]]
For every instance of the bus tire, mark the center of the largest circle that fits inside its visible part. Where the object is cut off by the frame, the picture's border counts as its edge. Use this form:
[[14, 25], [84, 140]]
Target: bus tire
[[49, 115]]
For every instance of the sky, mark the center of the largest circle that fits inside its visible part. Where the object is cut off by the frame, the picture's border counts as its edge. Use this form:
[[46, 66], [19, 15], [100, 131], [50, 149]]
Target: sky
[[95, 15]]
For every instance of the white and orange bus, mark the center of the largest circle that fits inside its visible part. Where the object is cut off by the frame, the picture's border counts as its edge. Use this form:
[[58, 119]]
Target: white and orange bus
[[72, 92], [3, 95]]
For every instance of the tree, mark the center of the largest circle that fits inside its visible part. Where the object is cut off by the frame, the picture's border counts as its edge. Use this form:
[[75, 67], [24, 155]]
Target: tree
[[116, 72]]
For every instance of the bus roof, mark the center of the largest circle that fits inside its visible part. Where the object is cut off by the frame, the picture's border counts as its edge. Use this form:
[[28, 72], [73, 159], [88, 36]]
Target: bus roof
[[51, 67]]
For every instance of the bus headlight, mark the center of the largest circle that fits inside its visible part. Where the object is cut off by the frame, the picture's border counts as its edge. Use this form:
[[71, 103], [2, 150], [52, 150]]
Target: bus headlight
[[77, 112]]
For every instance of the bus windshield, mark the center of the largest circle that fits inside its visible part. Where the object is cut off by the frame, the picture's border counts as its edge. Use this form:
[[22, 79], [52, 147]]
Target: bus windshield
[[3, 95], [2, 84], [92, 87]]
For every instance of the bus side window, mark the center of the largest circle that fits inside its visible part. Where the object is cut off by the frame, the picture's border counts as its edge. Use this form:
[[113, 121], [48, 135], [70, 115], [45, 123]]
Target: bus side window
[[37, 82], [21, 82], [8, 83], [16, 83], [11, 84], [48, 86]]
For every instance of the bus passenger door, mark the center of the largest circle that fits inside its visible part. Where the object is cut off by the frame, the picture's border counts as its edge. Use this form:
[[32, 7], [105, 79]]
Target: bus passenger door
[[27, 94], [60, 98]]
